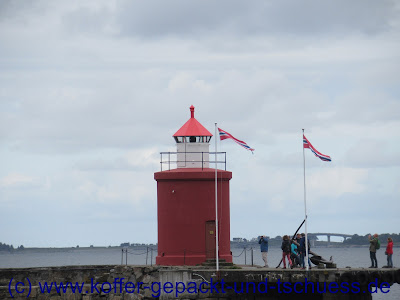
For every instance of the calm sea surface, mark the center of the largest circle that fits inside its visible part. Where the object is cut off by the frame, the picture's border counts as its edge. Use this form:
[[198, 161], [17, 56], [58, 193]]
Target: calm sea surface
[[343, 257]]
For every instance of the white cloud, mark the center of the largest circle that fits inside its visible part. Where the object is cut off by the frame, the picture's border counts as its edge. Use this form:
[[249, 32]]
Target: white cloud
[[15, 180], [185, 81], [334, 182], [23, 181]]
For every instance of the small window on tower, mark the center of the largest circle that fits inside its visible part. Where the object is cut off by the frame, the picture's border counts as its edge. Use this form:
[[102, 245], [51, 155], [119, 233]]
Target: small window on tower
[[193, 139], [179, 139]]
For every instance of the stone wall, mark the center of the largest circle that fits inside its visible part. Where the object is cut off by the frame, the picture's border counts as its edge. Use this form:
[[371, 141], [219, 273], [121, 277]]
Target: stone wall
[[81, 274], [143, 282]]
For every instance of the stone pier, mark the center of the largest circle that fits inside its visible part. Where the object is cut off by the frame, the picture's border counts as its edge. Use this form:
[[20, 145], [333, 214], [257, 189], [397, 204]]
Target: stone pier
[[143, 282]]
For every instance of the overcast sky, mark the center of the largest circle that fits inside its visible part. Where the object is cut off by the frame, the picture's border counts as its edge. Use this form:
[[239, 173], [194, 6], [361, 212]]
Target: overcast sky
[[92, 91]]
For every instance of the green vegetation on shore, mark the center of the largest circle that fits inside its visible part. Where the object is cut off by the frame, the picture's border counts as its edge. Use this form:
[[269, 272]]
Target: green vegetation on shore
[[5, 247]]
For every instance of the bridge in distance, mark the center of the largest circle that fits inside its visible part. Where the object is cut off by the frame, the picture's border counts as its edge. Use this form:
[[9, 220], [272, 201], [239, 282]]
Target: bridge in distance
[[314, 236]]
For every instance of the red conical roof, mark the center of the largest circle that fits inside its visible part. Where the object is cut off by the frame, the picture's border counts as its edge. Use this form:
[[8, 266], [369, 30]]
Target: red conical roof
[[192, 127]]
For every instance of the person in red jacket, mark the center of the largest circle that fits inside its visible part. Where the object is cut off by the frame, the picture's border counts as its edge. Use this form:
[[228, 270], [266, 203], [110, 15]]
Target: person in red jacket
[[389, 252]]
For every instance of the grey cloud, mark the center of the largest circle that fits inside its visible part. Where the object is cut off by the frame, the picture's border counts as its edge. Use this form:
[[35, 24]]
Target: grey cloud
[[84, 20], [198, 18], [85, 82], [11, 9]]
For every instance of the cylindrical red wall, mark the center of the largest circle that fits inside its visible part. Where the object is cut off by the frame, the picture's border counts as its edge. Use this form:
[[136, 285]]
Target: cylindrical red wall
[[186, 202]]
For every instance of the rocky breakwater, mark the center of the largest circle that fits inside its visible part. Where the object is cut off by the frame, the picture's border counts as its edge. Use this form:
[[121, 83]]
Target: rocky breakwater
[[197, 282], [78, 282]]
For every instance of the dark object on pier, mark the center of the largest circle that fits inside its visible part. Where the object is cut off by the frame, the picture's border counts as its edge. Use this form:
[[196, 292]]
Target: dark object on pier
[[317, 259]]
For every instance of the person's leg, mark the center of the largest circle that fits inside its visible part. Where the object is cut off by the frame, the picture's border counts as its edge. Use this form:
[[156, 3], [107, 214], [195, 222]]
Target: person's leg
[[371, 256], [391, 260], [284, 260], [375, 264], [388, 260], [302, 259], [264, 257], [290, 260]]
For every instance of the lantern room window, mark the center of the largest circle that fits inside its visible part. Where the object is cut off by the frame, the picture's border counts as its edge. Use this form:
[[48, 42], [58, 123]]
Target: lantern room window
[[192, 139]]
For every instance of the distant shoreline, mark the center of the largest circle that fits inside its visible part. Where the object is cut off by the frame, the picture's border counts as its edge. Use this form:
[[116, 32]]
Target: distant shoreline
[[233, 246]]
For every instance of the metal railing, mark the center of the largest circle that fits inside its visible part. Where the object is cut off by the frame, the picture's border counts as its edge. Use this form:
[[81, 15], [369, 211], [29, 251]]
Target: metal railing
[[148, 250], [150, 257], [245, 255], [166, 159]]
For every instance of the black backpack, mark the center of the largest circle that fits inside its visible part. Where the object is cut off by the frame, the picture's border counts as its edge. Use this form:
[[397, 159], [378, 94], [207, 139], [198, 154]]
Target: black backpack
[[285, 246]]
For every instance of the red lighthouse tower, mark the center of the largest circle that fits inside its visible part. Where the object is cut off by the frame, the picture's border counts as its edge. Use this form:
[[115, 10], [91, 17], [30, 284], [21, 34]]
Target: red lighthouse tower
[[186, 202]]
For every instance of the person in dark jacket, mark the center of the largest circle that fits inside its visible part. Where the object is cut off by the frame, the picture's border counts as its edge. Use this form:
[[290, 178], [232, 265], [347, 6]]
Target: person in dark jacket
[[263, 241], [286, 251], [373, 241], [302, 250]]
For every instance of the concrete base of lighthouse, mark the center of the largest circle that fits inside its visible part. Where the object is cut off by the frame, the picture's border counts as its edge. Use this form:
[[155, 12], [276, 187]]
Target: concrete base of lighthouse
[[186, 216]]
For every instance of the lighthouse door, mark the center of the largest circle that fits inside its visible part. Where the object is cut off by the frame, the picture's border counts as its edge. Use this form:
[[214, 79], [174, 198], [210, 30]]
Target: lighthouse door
[[210, 239]]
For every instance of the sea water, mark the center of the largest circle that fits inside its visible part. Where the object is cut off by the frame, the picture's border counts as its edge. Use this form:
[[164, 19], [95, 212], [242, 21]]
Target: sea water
[[356, 257]]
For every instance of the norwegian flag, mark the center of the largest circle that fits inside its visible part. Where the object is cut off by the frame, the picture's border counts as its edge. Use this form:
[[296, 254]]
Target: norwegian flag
[[223, 135], [307, 144]]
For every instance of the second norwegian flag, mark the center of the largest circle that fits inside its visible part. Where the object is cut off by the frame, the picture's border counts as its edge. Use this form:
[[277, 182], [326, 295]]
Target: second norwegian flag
[[307, 144]]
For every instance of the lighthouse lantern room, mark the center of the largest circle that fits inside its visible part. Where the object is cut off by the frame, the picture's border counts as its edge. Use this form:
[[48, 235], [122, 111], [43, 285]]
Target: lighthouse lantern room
[[186, 202], [192, 143]]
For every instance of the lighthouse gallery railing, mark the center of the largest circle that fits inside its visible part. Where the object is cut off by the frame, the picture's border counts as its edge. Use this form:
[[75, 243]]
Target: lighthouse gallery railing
[[166, 159]]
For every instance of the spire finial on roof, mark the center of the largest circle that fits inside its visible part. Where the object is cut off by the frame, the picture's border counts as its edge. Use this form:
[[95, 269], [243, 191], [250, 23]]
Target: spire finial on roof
[[192, 111], [192, 127]]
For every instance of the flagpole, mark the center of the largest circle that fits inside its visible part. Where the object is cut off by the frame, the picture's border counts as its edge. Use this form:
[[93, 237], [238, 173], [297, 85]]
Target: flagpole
[[216, 203], [305, 205]]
